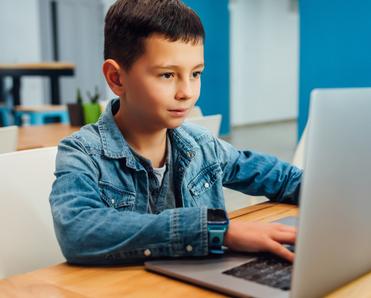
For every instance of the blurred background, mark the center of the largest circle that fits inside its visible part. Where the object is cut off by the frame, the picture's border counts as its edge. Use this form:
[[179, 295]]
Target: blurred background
[[263, 59]]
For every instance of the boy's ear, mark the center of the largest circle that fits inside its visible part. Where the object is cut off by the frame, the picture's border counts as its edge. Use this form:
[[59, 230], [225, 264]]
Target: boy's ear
[[112, 73]]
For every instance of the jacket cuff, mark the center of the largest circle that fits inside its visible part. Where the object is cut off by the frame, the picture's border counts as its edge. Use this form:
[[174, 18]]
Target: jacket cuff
[[188, 232]]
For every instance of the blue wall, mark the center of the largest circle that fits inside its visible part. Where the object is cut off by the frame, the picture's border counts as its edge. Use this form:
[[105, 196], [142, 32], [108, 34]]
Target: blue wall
[[215, 81], [335, 47]]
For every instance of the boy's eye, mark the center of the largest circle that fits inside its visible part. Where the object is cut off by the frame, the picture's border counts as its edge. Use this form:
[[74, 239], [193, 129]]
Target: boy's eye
[[167, 75], [197, 74]]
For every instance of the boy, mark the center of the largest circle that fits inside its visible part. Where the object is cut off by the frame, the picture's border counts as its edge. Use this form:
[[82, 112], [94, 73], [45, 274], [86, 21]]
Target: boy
[[139, 184]]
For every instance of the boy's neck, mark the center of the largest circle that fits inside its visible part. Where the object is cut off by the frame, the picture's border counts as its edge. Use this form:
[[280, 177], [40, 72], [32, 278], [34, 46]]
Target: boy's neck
[[148, 143]]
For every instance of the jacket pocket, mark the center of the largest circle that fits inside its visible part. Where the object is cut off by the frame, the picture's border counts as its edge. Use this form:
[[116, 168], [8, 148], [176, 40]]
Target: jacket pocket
[[117, 198], [205, 180]]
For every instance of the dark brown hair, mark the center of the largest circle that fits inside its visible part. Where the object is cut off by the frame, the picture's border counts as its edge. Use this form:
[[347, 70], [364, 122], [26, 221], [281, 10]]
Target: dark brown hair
[[129, 22]]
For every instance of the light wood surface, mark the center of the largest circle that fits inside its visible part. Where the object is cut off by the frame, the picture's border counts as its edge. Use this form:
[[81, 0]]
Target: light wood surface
[[41, 108], [64, 280], [31, 137], [43, 66]]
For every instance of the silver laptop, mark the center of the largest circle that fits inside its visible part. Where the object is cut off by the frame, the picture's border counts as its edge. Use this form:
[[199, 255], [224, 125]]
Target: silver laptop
[[333, 246]]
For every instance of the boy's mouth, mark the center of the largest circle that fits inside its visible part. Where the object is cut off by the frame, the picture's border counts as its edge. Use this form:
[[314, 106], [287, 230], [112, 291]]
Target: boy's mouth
[[178, 112]]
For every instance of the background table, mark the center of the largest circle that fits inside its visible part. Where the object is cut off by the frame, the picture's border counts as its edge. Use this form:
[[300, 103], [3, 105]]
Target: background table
[[53, 71], [31, 137], [64, 280]]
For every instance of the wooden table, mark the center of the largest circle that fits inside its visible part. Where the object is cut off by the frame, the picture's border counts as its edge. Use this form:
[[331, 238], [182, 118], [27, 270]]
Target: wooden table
[[133, 281], [31, 137], [52, 70]]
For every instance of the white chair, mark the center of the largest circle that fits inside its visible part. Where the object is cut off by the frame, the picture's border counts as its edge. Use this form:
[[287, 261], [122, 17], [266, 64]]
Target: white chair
[[26, 227], [195, 112], [103, 104], [212, 122], [8, 139], [298, 159]]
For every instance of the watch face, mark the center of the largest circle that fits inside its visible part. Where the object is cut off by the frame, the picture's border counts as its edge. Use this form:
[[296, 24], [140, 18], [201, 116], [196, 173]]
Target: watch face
[[216, 215]]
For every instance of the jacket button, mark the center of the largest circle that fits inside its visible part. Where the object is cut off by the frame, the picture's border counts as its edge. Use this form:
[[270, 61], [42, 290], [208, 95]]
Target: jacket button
[[189, 248], [147, 252], [207, 185], [190, 154]]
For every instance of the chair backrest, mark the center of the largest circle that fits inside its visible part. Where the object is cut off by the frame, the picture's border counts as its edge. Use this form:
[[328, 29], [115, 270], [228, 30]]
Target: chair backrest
[[298, 159], [8, 139], [26, 228], [103, 104], [195, 112], [212, 122]]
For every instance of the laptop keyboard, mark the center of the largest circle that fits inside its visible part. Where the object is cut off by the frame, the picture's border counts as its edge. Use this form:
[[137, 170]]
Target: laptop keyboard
[[268, 270]]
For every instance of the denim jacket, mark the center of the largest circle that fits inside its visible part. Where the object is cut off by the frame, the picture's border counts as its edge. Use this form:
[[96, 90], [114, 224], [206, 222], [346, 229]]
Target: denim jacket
[[99, 199]]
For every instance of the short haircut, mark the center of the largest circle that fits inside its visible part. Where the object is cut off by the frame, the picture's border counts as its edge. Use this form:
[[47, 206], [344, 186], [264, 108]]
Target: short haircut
[[129, 22]]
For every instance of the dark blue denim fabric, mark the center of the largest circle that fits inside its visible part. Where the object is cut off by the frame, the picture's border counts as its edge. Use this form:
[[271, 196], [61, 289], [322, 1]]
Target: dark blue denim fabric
[[99, 199]]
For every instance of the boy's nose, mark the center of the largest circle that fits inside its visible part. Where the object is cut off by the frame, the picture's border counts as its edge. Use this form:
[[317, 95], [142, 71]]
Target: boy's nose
[[184, 91]]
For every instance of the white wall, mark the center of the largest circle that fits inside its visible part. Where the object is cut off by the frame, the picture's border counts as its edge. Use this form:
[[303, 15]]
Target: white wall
[[80, 36], [20, 42], [106, 5], [264, 61], [264, 55]]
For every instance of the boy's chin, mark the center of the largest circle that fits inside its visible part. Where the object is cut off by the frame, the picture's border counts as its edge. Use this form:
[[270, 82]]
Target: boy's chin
[[174, 124]]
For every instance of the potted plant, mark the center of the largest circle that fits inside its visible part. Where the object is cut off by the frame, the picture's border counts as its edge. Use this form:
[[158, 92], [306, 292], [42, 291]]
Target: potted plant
[[92, 109], [75, 110]]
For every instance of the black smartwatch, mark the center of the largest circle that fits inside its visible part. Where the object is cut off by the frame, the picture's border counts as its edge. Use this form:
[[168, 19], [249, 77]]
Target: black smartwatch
[[217, 225]]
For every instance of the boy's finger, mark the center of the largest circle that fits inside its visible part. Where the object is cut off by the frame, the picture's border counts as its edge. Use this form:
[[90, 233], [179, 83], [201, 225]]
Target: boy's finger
[[284, 237], [286, 228], [277, 249]]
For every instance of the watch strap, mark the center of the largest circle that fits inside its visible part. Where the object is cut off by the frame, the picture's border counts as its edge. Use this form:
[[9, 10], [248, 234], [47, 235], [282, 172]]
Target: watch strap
[[216, 238]]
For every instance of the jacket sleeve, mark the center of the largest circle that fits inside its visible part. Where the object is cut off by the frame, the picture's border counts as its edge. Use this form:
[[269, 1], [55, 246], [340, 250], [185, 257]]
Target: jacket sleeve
[[90, 232], [258, 174]]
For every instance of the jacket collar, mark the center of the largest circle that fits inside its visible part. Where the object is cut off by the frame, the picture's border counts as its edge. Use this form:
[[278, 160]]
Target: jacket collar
[[116, 147]]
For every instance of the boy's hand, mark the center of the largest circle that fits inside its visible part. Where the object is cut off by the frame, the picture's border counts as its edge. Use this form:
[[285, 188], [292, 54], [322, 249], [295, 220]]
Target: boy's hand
[[259, 237]]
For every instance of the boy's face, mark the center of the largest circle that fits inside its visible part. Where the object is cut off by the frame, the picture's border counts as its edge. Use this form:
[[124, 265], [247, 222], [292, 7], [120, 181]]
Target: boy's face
[[163, 85]]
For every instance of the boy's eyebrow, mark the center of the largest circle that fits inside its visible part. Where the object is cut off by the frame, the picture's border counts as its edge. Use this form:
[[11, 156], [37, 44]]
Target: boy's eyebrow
[[176, 66], [200, 65]]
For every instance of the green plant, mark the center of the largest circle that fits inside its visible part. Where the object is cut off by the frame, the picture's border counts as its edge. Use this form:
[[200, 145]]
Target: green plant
[[79, 99], [94, 97]]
